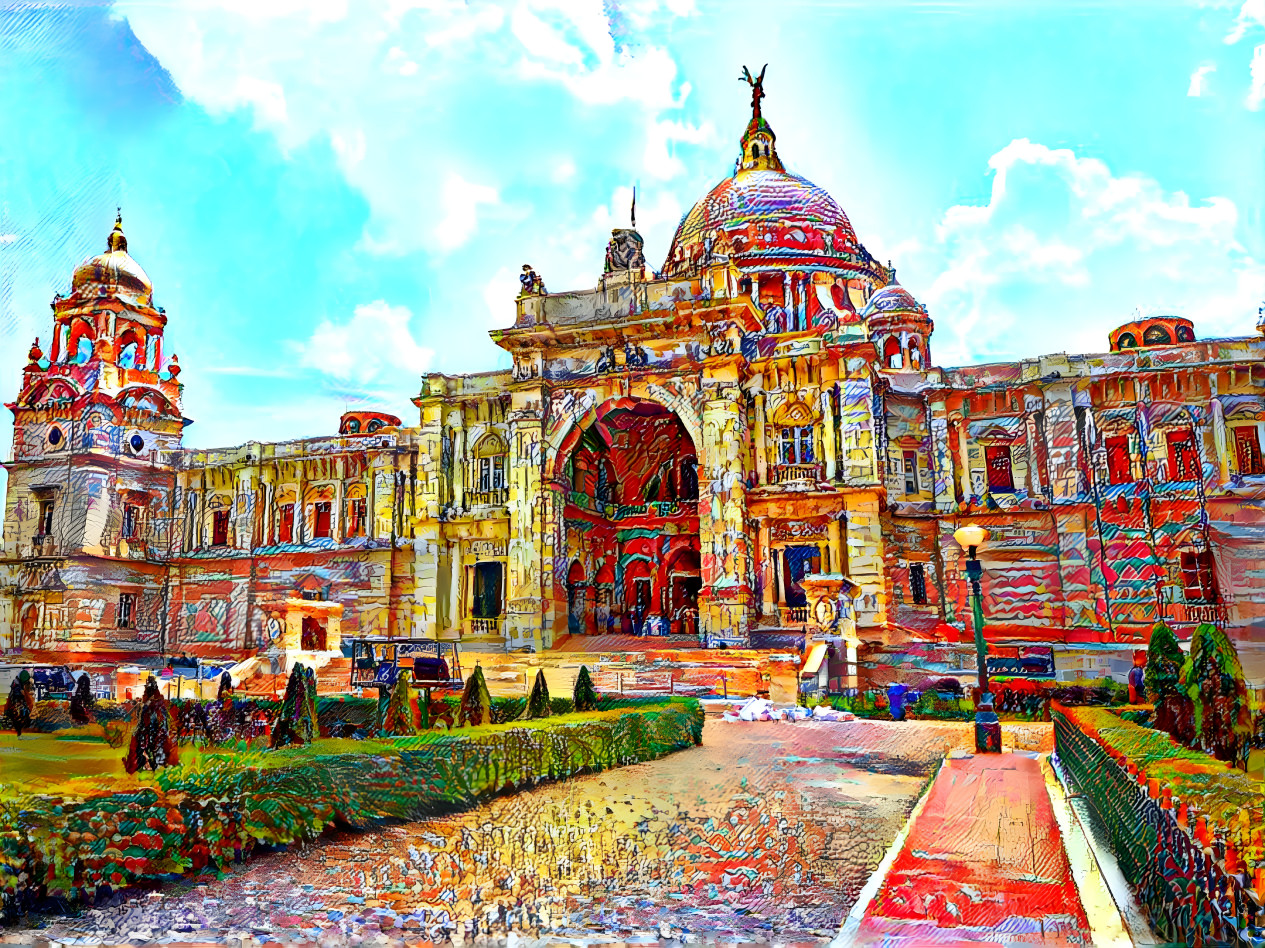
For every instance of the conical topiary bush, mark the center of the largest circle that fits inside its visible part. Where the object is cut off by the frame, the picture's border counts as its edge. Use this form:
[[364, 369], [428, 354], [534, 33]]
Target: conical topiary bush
[[476, 701], [399, 720], [538, 703], [1164, 661], [584, 697]]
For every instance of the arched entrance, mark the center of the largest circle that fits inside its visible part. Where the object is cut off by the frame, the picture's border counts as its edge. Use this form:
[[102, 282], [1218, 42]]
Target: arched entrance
[[629, 479]]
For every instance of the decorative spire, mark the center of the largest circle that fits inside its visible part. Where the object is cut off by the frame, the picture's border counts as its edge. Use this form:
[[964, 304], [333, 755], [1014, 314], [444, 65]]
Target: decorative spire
[[758, 142], [634, 208], [116, 240]]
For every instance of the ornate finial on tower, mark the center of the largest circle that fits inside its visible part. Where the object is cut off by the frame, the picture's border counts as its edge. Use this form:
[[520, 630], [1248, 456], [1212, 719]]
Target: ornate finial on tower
[[116, 240], [1260, 321], [634, 208], [757, 89]]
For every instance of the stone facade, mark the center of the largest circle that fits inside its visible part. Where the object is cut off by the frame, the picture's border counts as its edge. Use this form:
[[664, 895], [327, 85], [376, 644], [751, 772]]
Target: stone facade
[[678, 453]]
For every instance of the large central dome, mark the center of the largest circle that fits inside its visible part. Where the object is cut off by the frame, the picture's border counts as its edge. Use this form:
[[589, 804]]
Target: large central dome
[[114, 272], [764, 217]]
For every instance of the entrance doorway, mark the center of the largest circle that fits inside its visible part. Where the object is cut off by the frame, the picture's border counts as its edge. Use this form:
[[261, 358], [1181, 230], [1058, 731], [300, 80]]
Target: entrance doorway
[[799, 561], [487, 591], [313, 634], [577, 595]]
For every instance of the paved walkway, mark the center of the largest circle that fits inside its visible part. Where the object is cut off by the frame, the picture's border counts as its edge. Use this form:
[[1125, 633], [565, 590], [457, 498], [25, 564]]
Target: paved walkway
[[982, 862]]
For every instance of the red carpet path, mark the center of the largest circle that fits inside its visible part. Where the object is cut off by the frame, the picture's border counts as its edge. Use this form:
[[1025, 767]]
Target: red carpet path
[[983, 863]]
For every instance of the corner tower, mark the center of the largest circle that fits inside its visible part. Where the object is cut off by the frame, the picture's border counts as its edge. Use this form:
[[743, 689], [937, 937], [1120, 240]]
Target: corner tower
[[97, 428]]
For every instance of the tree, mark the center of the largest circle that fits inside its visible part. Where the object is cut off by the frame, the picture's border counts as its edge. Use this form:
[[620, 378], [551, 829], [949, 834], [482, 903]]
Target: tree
[[296, 723], [310, 720], [399, 721], [82, 704], [153, 744], [476, 701], [1164, 660], [225, 710], [1212, 678], [538, 703], [20, 706], [584, 697]]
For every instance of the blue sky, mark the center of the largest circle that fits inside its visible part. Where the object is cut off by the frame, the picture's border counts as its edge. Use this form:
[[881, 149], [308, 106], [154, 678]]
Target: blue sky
[[334, 197]]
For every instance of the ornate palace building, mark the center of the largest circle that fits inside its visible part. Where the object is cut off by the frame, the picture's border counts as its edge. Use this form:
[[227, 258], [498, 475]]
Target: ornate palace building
[[680, 452]]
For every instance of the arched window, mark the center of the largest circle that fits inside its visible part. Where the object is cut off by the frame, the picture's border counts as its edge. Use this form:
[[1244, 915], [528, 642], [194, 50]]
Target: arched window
[[892, 357], [353, 426], [1156, 336], [490, 455], [915, 353], [374, 425], [1126, 340], [689, 479], [83, 351], [606, 490], [1185, 334]]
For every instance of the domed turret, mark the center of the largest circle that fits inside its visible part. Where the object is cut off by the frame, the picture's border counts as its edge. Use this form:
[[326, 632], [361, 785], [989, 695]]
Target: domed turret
[[899, 327], [113, 273]]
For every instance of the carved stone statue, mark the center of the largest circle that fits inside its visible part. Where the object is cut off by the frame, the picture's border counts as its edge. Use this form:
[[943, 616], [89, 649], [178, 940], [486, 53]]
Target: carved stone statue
[[624, 252], [757, 88], [532, 284]]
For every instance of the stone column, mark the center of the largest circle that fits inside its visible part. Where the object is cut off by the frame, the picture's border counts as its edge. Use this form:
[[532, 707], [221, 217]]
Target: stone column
[[768, 589], [455, 592], [828, 432], [723, 537], [1219, 439], [837, 553], [761, 447], [336, 530], [525, 606], [964, 459], [458, 457]]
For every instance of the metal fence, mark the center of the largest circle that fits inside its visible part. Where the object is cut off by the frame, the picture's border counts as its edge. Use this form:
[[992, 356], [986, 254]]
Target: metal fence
[[1191, 892]]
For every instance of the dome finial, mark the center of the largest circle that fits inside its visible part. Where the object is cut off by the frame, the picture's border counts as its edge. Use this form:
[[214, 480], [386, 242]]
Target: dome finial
[[116, 240], [757, 90]]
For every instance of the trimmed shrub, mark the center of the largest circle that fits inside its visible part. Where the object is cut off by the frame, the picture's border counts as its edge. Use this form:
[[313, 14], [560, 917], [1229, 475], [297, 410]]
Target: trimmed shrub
[[476, 703], [1162, 678], [584, 697], [296, 723], [538, 704], [399, 721], [1212, 678], [82, 703], [20, 705], [153, 745]]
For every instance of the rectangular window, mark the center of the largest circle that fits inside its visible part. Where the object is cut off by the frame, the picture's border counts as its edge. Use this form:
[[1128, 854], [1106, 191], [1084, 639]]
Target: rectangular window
[[219, 528], [1197, 577], [285, 528], [45, 526], [911, 472], [1247, 449], [131, 519], [492, 473], [918, 583], [487, 590], [356, 517], [321, 526], [1183, 462], [797, 445], [997, 460], [1119, 465], [127, 611]]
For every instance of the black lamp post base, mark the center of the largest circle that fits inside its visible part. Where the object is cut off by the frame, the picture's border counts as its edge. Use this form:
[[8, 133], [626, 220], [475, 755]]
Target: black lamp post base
[[987, 727]]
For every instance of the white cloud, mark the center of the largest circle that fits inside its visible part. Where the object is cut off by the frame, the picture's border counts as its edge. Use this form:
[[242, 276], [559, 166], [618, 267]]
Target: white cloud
[[1199, 79], [1256, 94], [377, 338], [1251, 15], [460, 201], [1065, 250], [660, 159]]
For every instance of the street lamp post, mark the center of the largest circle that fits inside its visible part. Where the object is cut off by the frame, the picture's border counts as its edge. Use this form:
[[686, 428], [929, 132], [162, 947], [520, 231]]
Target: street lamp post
[[987, 727]]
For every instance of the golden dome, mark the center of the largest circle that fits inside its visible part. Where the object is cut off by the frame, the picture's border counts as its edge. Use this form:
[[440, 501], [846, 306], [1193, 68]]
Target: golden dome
[[113, 273]]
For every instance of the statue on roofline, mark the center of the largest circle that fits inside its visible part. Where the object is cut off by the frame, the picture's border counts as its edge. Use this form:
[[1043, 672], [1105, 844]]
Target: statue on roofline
[[532, 284], [757, 88]]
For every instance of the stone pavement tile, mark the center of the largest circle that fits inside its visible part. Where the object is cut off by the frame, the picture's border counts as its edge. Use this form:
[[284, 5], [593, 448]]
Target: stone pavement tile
[[983, 862]]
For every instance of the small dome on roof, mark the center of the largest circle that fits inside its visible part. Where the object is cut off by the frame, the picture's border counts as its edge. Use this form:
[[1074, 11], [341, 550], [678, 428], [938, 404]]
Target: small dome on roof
[[113, 273], [892, 298]]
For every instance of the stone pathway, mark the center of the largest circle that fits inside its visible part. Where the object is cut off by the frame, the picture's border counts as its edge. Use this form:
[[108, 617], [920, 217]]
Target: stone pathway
[[982, 862]]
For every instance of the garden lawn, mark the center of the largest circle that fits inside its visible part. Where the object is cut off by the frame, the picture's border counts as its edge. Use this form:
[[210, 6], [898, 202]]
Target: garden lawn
[[43, 762]]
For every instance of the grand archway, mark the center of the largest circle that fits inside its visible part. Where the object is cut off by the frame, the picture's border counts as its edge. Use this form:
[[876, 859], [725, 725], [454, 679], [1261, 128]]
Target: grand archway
[[628, 480]]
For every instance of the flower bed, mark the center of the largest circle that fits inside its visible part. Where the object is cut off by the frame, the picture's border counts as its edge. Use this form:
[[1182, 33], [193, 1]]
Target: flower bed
[[1185, 827], [210, 816]]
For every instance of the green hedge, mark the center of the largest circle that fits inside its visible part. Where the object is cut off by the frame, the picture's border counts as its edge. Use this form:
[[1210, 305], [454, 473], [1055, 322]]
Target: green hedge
[[223, 810]]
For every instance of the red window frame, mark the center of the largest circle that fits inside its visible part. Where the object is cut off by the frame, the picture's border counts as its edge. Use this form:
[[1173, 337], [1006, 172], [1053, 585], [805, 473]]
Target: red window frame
[[1183, 461], [1247, 450], [219, 528], [1198, 579], [999, 468], [322, 519], [285, 527], [1119, 464]]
